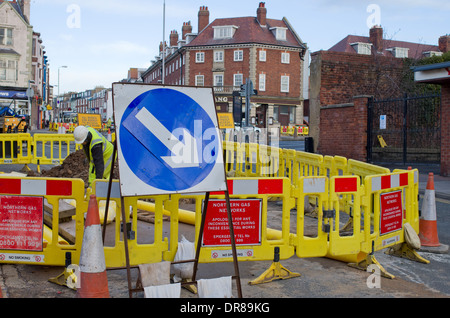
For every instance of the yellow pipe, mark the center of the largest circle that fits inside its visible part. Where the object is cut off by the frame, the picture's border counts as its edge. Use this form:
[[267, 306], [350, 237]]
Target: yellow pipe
[[48, 237], [184, 216]]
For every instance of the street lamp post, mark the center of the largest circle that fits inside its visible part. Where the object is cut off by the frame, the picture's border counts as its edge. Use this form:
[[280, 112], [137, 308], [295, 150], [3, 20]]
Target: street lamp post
[[64, 66], [164, 44]]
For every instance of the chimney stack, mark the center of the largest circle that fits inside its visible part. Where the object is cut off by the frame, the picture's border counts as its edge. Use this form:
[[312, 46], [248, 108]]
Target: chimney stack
[[444, 43], [376, 37], [173, 38], [203, 18], [25, 7], [261, 13], [187, 28], [161, 47], [133, 73]]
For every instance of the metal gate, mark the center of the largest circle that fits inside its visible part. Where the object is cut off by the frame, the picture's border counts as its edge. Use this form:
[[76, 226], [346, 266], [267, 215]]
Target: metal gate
[[404, 130]]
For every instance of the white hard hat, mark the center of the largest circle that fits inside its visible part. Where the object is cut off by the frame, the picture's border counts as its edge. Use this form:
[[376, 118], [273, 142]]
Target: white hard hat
[[80, 133]]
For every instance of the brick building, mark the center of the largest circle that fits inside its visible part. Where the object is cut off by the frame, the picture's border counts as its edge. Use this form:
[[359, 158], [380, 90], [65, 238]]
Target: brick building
[[345, 77], [23, 63], [227, 52]]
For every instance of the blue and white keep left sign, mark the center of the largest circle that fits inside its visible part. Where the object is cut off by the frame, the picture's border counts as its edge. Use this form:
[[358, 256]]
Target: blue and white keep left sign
[[168, 140]]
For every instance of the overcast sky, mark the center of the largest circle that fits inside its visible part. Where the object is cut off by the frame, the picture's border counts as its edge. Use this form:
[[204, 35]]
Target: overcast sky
[[99, 40]]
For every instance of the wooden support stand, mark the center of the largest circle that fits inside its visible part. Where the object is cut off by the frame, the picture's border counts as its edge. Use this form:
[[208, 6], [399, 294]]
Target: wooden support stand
[[199, 240]]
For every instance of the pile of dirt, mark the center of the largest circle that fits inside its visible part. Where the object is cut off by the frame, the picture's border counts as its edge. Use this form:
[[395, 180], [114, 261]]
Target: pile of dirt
[[74, 166]]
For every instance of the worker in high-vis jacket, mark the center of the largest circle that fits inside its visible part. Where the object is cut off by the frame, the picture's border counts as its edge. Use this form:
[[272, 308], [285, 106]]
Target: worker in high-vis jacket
[[98, 150]]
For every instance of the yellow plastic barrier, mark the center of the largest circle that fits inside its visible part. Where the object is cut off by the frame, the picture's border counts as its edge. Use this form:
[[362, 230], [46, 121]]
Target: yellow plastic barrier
[[21, 243], [15, 148], [312, 244], [340, 191], [270, 162], [308, 164], [287, 162], [143, 247], [230, 150], [252, 160], [343, 191], [242, 190], [61, 146], [302, 130], [363, 169]]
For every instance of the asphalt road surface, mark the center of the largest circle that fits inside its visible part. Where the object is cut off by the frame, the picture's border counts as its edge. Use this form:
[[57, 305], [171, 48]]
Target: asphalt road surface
[[320, 277]]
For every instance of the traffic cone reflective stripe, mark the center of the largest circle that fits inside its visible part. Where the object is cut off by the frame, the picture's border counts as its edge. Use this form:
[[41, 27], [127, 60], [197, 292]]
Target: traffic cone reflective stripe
[[428, 233], [93, 278]]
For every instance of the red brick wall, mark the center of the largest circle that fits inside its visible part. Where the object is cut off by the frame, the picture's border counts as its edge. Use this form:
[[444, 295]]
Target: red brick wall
[[445, 130], [343, 130], [345, 75]]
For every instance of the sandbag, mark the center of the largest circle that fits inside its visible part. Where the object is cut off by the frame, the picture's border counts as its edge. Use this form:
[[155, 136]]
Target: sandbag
[[185, 251], [411, 237]]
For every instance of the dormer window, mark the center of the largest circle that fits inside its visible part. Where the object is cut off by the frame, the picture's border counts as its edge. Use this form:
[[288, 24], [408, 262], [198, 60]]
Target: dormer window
[[432, 53], [399, 52], [362, 48], [224, 32], [279, 33]]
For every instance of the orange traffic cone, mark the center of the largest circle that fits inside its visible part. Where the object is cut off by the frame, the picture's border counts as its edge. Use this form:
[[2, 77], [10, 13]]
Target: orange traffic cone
[[109, 138], [428, 232], [427, 223], [93, 279]]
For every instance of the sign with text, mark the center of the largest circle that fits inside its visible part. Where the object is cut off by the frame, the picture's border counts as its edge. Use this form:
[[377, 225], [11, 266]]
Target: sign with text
[[225, 120], [391, 216], [21, 223], [91, 120], [246, 222]]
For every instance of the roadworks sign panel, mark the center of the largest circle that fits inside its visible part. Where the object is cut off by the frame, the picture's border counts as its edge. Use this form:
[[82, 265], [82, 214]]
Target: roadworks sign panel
[[168, 140]]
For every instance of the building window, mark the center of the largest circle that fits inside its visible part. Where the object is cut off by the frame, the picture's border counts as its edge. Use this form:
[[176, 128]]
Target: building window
[[399, 52], [8, 70], [238, 79], [200, 57], [285, 84], [262, 55], [279, 33], [238, 55], [262, 82], [275, 113], [432, 53], [199, 80], [218, 56], [6, 36], [362, 48], [218, 80], [285, 58], [224, 32]]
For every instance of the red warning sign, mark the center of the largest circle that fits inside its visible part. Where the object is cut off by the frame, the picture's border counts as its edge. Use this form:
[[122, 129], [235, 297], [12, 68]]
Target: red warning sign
[[391, 216], [246, 222], [21, 223]]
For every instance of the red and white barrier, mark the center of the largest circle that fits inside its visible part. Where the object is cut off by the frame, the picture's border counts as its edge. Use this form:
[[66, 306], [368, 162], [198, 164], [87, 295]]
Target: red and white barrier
[[35, 187]]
